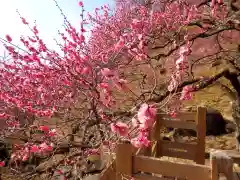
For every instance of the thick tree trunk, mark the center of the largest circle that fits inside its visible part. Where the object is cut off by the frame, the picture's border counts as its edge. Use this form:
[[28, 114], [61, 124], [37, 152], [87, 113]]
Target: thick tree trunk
[[233, 78]]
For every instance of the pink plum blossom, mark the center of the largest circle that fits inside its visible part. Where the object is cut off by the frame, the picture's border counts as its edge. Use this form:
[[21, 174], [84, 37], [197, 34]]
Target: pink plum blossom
[[120, 128], [146, 115], [2, 163], [107, 73], [44, 128]]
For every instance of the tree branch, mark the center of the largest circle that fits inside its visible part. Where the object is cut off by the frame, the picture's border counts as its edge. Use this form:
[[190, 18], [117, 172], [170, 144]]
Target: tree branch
[[200, 35], [201, 85]]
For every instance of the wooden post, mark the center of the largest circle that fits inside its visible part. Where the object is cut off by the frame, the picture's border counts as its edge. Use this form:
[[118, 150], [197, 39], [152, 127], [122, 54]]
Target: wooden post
[[201, 134], [156, 136], [221, 163], [214, 167], [123, 161]]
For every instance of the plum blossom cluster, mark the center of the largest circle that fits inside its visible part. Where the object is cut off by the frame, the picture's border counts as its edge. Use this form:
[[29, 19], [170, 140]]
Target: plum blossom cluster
[[47, 131], [121, 128], [145, 119], [2, 163], [92, 152], [135, 38], [215, 8], [187, 93], [110, 77], [13, 124], [23, 153], [131, 34], [41, 79], [181, 65]]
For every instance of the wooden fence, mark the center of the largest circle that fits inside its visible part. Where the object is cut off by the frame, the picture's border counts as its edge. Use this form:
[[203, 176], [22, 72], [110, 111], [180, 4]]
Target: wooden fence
[[131, 163], [128, 166], [187, 120]]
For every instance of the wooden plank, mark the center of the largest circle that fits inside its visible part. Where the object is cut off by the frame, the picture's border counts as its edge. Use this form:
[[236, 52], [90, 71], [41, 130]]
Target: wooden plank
[[156, 130], [183, 116], [157, 166], [123, 160], [179, 124], [201, 134], [147, 177], [178, 150], [155, 136], [190, 147], [178, 154]]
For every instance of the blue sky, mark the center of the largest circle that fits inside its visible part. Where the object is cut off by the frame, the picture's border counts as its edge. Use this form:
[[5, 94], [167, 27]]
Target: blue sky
[[46, 14]]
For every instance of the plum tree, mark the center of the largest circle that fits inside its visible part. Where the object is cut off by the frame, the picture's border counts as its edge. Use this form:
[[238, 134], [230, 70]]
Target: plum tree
[[141, 57]]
